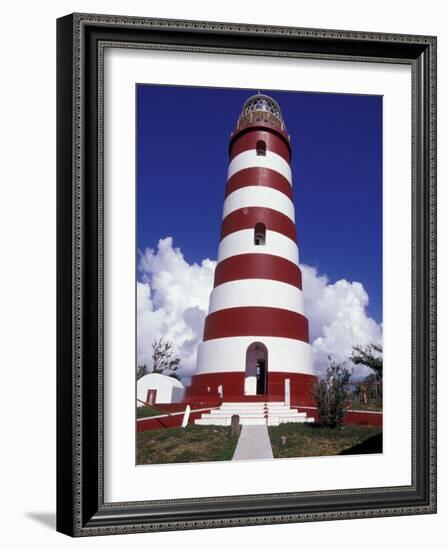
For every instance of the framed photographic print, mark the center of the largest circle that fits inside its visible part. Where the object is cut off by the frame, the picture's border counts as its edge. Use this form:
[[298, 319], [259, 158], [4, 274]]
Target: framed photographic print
[[246, 234]]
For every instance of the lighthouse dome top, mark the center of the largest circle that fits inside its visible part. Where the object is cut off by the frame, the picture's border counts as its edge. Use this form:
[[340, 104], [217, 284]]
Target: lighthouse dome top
[[261, 102]]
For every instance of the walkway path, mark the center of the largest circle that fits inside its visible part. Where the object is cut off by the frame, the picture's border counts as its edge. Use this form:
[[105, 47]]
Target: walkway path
[[253, 443]]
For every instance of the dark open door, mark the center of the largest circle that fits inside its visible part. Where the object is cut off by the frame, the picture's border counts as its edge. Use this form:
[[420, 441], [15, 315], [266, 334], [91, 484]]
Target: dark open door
[[261, 376]]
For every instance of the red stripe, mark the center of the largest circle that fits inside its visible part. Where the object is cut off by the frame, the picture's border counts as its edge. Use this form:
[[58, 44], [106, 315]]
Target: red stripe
[[248, 141], [245, 125], [256, 321], [204, 388], [259, 176], [258, 266], [246, 218]]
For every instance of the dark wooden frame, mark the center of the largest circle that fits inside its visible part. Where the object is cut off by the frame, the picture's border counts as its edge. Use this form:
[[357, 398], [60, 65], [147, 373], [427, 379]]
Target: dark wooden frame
[[81, 509]]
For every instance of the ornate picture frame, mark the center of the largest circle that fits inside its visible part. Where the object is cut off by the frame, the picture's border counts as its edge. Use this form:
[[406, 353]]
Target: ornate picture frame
[[81, 506]]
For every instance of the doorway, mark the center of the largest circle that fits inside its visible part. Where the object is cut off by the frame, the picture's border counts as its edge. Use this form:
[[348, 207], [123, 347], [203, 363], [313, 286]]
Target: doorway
[[151, 397], [256, 382]]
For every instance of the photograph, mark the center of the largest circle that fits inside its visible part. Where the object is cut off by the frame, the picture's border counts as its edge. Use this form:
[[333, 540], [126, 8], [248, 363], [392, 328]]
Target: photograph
[[259, 274]]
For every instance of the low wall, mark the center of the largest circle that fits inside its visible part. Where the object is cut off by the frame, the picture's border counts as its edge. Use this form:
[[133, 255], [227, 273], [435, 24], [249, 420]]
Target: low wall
[[180, 407], [173, 420], [364, 418]]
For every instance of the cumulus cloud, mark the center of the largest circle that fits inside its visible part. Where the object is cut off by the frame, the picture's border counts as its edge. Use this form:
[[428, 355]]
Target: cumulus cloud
[[338, 319], [172, 302]]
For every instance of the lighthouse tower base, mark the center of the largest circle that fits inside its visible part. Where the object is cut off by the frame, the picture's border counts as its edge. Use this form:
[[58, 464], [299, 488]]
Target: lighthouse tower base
[[253, 369], [290, 388]]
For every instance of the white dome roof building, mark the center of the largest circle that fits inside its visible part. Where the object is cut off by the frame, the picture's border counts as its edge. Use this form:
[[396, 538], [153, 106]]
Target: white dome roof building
[[156, 389]]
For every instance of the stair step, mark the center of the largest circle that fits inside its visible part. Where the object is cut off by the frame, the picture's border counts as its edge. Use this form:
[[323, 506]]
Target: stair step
[[240, 414], [249, 405], [253, 413]]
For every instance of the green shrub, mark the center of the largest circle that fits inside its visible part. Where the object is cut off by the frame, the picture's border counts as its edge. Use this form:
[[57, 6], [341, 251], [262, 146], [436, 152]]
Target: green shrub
[[331, 394]]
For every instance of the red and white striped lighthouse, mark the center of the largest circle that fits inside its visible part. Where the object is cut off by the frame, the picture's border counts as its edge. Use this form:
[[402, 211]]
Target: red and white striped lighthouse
[[255, 345]]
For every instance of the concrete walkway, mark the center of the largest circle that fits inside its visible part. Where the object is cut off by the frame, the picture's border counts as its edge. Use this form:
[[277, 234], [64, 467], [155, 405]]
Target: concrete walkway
[[253, 443]]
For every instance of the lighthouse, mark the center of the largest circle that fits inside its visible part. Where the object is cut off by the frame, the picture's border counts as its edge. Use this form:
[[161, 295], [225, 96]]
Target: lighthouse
[[255, 347]]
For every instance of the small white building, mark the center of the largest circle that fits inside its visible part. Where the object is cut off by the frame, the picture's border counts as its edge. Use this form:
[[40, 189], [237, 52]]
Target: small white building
[[156, 388]]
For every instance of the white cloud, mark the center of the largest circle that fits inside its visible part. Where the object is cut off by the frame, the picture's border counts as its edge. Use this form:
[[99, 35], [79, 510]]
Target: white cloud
[[172, 302], [338, 319]]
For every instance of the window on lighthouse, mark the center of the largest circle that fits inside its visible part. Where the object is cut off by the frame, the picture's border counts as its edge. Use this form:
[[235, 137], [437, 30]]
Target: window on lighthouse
[[261, 148], [260, 234]]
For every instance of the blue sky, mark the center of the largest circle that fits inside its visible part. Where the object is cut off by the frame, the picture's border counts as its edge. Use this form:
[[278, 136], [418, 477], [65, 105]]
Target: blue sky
[[182, 157]]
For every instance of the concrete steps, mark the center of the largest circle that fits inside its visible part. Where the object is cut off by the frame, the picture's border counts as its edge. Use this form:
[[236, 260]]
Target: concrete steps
[[253, 414]]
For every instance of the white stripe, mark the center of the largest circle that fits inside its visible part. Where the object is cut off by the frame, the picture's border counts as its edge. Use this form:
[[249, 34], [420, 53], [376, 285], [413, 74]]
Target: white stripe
[[250, 159], [242, 242], [256, 292], [229, 355], [258, 195]]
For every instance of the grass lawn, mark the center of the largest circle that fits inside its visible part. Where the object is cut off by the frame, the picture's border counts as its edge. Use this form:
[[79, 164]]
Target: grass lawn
[[190, 444], [374, 405], [313, 440]]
